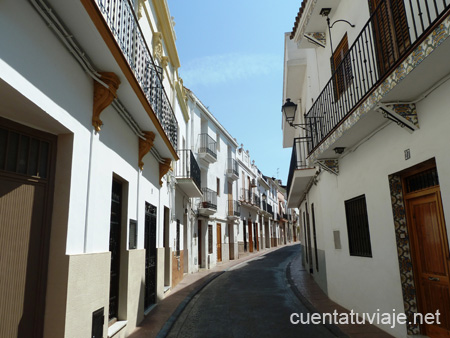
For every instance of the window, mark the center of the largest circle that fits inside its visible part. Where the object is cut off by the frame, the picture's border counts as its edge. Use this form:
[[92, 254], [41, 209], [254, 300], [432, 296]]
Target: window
[[358, 227], [177, 243], [218, 186], [132, 240], [314, 235], [210, 239], [341, 67]]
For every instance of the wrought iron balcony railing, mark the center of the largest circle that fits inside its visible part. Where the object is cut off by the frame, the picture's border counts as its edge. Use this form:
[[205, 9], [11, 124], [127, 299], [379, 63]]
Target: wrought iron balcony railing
[[121, 19], [234, 208], [298, 161], [393, 30], [209, 199], [233, 167], [247, 196], [187, 167], [207, 145]]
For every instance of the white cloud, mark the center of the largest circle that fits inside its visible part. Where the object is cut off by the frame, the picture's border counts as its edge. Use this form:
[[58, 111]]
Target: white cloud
[[217, 69]]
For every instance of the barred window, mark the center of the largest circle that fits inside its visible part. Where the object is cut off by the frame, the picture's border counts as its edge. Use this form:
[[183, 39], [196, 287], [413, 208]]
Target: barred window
[[358, 227]]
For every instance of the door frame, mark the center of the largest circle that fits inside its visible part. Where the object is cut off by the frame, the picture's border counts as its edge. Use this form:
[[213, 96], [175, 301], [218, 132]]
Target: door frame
[[407, 275]]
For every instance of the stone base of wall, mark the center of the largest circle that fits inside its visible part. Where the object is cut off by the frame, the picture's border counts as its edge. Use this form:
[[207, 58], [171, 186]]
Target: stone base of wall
[[232, 249], [177, 268]]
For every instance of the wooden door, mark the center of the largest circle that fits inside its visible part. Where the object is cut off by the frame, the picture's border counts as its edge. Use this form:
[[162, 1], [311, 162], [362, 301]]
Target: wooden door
[[250, 234], [27, 166], [150, 255], [430, 258], [199, 244], [219, 242], [390, 26]]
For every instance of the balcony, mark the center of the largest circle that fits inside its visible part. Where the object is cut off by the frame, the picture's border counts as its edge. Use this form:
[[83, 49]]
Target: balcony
[[378, 68], [207, 149], [234, 210], [121, 19], [300, 174], [250, 199], [187, 173], [208, 203], [232, 169]]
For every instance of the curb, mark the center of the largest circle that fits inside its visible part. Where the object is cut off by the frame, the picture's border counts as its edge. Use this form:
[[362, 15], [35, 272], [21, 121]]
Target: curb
[[176, 314], [334, 329]]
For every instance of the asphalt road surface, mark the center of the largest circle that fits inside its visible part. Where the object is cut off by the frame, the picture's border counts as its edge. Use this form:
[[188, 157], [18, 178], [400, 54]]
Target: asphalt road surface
[[252, 300]]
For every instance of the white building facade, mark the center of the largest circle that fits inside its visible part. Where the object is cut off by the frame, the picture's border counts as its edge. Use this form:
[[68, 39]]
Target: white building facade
[[369, 163]]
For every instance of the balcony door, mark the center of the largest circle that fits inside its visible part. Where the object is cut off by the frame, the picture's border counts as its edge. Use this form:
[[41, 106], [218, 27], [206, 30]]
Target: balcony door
[[391, 32]]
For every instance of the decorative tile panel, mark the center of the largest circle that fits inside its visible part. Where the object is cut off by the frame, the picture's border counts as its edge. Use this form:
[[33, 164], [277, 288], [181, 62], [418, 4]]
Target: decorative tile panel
[[404, 253], [330, 165]]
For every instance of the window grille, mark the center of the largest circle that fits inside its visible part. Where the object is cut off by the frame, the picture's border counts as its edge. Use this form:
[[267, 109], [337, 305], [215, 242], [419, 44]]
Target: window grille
[[422, 180], [358, 227]]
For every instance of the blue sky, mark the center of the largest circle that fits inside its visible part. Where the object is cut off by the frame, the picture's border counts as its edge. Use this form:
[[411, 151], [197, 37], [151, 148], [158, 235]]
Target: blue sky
[[231, 55]]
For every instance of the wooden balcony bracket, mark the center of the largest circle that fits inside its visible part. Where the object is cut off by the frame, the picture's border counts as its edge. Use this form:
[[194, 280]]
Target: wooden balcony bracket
[[103, 96], [164, 167], [144, 146]]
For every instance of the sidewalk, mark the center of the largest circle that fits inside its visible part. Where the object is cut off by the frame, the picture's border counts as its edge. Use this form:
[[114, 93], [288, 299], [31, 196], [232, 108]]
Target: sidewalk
[[160, 319], [316, 300]]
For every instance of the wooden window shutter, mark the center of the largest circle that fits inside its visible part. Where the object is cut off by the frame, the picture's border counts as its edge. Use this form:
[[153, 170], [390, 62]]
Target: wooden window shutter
[[391, 31], [341, 67]]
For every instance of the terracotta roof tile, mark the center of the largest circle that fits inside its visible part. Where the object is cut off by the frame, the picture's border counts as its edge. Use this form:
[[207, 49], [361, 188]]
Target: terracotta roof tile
[[297, 19]]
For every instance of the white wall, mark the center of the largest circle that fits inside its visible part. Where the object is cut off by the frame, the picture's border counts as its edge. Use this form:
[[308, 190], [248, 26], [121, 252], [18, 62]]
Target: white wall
[[368, 284]]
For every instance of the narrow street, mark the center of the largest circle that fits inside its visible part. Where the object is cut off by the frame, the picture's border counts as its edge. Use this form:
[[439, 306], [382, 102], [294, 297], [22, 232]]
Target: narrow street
[[253, 299]]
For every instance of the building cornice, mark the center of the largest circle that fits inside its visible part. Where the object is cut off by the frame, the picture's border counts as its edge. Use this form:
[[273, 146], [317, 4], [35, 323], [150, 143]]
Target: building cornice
[[166, 27]]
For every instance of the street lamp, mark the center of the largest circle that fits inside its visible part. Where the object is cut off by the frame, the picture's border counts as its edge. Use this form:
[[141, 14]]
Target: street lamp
[[264, 197], [289, 109]]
